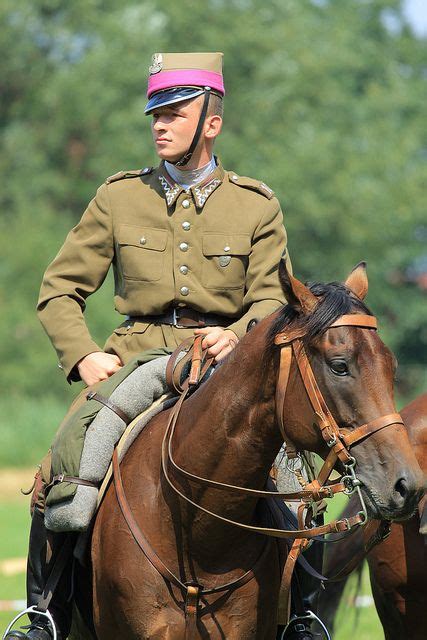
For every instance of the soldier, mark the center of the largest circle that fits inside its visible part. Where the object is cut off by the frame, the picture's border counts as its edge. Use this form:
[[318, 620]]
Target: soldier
[[192, 245], [194, 249]]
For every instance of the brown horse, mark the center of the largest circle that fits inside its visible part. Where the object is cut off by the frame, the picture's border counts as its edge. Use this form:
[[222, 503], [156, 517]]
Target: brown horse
[[228, 431], [397, 566]]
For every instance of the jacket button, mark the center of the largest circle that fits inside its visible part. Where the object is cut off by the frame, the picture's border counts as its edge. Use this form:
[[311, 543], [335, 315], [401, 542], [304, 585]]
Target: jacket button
[[186, 203], [227, 248], [143, 240], [183, 246], [183, 269], [186, 226], [185, 291]]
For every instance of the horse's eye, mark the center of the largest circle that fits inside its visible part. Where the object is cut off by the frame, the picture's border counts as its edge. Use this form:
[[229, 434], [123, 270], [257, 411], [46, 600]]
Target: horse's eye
[[339, 367]]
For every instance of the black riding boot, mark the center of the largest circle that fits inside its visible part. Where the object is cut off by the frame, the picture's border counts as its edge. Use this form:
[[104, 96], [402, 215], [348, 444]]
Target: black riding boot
[[44, 548]]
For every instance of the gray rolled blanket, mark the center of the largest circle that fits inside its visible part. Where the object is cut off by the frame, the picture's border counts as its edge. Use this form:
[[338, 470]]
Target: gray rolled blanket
[[133, 396]]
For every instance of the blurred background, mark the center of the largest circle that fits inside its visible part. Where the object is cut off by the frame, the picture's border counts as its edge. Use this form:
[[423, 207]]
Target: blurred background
[[325, 103]]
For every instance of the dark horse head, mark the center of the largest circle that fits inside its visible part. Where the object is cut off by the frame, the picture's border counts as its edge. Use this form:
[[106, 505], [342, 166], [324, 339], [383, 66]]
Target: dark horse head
[[354, 371]]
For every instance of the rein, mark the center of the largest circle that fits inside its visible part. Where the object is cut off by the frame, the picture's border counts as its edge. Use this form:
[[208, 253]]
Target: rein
[[338, 440]]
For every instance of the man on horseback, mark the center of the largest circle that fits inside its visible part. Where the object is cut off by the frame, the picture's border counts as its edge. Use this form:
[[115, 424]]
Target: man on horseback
[[194, 249]]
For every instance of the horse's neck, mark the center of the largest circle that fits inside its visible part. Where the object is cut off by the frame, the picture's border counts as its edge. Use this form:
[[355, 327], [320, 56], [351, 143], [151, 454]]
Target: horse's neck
[[227, 431]]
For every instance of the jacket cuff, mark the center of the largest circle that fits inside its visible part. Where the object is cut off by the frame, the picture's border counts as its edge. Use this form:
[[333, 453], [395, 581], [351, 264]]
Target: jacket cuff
[[258, 311], [240, 327], [68, 361]]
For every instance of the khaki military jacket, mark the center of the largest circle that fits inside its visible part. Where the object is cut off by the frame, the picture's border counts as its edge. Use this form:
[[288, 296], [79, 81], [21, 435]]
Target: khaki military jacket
[[214, 248]]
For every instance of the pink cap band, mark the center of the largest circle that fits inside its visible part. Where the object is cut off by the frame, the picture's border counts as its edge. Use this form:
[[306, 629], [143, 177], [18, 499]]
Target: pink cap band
[[183, 78]]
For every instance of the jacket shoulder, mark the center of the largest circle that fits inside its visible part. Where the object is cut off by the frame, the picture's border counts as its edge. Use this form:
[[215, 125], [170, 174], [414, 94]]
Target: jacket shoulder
[[122, 175], [252, 184]]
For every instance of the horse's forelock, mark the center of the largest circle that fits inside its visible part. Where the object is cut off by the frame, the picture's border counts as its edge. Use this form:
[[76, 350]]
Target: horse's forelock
[[335, 300]]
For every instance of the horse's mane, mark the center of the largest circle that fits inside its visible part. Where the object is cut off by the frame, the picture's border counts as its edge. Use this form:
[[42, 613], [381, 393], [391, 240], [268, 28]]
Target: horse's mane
[[335, 300]]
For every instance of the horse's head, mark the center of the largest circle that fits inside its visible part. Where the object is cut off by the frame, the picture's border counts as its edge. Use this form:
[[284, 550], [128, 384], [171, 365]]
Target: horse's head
[[354, 372]]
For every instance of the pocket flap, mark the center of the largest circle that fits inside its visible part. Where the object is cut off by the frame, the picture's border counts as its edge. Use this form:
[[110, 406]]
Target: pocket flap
[[215, 244], [144, 237], [132, 326]]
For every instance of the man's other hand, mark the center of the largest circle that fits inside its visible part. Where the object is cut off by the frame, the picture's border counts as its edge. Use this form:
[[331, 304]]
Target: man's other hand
[[98, 366], [218, 341]]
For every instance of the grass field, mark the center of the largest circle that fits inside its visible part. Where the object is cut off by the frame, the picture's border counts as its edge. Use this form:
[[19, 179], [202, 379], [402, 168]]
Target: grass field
[[14, 526]]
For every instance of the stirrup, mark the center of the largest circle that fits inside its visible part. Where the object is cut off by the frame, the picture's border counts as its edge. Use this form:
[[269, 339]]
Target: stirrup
[[307, 615], [33, 609]]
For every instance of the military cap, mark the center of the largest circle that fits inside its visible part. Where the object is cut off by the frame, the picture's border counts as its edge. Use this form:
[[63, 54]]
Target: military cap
[[175, 77]]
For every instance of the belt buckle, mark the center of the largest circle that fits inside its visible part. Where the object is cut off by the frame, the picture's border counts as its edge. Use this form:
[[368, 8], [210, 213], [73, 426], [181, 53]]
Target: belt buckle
[[175, 320]]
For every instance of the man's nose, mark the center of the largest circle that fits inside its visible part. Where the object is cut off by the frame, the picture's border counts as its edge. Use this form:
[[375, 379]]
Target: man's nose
[[158, 125]]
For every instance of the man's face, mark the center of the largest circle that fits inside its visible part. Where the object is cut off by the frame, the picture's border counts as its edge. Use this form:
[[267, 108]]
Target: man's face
[[173, 128]]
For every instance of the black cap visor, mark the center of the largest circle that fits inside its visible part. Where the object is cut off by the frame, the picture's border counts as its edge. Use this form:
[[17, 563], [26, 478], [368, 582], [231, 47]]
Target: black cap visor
[[171, 96]]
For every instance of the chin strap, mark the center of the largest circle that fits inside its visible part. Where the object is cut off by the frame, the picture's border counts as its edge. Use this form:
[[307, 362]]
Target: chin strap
[[187, 156]]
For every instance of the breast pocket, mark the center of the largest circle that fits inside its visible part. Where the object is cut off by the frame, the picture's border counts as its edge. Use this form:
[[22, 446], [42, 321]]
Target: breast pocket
[[142, 252], [225, 260]]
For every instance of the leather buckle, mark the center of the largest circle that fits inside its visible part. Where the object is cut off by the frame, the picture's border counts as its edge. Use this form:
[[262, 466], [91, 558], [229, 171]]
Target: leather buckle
[[175, 319]]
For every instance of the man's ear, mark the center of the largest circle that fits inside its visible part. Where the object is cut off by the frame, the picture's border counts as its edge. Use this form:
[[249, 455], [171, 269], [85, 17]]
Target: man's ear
[[357, 281], [297, 294], [213, 126]]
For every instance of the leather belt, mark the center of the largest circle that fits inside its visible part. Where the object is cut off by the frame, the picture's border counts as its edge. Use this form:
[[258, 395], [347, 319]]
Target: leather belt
[[186, 318]]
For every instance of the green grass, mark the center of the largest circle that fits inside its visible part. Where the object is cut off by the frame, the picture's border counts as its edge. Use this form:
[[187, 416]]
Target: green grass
[[362, 623], [14, 530]]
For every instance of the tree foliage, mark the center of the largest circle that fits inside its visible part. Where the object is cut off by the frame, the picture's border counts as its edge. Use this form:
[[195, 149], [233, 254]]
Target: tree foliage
[[324, 102]]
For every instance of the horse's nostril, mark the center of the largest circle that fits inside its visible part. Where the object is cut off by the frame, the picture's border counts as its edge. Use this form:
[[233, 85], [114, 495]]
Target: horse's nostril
[[401, 487]]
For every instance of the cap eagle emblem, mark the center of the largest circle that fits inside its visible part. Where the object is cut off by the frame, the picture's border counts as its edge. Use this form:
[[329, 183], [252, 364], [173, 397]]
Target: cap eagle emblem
[[156, 64]]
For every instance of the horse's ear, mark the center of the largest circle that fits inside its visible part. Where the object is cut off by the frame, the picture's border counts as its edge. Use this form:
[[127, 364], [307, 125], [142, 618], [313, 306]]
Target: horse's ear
[[297, 294], [357, 281]]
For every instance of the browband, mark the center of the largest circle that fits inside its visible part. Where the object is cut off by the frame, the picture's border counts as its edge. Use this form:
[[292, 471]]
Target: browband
[[356, 320], [351, 320]]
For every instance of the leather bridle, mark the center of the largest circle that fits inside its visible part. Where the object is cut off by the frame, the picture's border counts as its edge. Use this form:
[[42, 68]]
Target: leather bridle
[[339, 442]]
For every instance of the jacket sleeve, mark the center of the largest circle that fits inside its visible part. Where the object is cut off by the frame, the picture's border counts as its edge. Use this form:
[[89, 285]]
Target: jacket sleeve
[[263, 293], [78, 270]]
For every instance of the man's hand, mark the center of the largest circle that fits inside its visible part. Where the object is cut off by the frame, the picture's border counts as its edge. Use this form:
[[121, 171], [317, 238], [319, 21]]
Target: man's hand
[[219, 342], [98, 366]]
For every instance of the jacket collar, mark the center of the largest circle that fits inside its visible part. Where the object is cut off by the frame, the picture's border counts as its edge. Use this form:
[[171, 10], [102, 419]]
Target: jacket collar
[[200, 192]]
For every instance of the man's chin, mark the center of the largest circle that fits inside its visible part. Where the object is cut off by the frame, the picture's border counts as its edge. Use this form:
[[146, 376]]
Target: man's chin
[[164, 154]]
